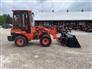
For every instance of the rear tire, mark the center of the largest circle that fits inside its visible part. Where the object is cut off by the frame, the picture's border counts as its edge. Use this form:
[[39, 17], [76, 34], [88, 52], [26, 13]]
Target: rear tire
[[45, 41], [21, 41]]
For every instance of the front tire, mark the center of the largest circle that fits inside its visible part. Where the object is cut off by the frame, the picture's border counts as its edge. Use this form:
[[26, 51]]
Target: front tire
[[21, 41], [45, 41]]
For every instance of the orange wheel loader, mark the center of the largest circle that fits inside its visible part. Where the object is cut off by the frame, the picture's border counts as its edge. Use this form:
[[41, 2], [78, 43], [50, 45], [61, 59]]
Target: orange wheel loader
[[23, 31]]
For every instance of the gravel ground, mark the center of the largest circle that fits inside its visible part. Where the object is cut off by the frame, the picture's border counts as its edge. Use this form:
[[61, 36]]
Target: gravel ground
[[54, 57]]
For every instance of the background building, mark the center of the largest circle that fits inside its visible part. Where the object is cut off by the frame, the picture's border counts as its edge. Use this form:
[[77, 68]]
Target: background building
[[75, 20]]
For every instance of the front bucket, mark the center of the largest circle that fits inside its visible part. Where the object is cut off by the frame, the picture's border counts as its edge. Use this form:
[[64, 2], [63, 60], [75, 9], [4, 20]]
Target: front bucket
[[70, 41]]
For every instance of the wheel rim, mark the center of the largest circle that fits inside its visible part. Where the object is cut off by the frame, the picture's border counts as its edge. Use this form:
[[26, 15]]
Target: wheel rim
[[20, 42], [45, 41]]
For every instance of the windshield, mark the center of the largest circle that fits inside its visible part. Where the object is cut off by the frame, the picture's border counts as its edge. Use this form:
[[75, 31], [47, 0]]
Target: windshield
[[21, 20], [32, 19], [17, 20]]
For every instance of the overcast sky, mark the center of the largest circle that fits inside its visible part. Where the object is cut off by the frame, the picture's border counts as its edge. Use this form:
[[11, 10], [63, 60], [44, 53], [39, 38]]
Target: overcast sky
[[44, 5]]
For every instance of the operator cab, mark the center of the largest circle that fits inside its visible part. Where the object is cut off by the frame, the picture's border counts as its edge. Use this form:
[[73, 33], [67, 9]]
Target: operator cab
[[22, 19]]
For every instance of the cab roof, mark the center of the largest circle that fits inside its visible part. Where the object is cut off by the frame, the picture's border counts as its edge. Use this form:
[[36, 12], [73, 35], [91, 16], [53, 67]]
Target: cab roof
[[21, 10]]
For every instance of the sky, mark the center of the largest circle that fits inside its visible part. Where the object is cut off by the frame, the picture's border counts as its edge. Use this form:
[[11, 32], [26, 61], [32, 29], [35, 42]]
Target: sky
[[6, 6]]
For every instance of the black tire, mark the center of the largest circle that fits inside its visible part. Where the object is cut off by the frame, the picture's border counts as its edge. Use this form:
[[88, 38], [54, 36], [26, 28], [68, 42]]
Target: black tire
[[45, 34], [22, 40], [45, 39]]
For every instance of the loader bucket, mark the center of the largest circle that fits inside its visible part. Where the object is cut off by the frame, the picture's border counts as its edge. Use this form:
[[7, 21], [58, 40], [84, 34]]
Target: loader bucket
[[70, 41]]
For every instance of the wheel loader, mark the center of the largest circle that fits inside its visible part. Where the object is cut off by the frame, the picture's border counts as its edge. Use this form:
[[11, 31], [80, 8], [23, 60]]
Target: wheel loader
[[24, 31]]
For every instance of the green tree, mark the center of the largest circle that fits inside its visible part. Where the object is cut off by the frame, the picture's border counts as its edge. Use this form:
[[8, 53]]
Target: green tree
[[5, 19], [2, 19], [8, 19]]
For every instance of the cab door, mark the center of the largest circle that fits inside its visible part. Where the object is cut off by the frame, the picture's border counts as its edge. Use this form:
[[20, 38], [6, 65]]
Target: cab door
[[22, 21]]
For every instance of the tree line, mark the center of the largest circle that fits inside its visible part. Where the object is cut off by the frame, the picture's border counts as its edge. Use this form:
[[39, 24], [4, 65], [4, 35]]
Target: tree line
[[5, 19]]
